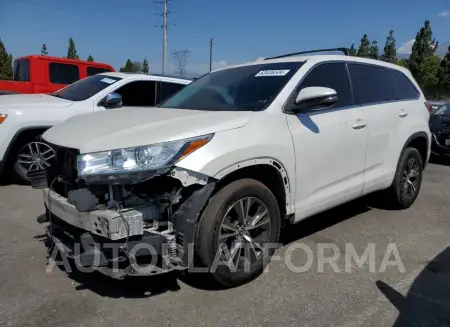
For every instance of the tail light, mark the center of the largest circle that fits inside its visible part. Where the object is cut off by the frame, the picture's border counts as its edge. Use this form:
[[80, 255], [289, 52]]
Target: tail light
[[429, 107]]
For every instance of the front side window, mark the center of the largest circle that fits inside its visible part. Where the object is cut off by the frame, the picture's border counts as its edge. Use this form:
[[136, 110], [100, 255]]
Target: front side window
[[332, 75], [371, 84], [21, 70], [86, 88], [245, 88], [63, 73], [138, 94]]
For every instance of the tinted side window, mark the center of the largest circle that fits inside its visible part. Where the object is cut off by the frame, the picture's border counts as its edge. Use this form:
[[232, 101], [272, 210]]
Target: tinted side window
[[21, 70], [63, 73], [403, 87], [96, 70], [332, 75], [166, 90], [371, 84], [141, 93]]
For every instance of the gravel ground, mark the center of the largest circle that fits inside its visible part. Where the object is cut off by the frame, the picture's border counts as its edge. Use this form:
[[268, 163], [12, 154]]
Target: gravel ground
[[344, 295]]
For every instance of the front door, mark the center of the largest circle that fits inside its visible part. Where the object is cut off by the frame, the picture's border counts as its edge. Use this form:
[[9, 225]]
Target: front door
[[330, 145]]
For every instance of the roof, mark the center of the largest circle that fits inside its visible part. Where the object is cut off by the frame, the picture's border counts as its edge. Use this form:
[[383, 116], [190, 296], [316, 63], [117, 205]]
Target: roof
[[50, 58], [320, 58], [150, 77]]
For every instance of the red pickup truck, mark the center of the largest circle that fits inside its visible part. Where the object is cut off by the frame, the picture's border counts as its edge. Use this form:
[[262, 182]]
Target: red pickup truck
[[45, 74]]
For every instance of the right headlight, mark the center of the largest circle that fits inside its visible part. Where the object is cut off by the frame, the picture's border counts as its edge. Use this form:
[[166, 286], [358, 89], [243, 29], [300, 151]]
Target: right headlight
[[137, 159]]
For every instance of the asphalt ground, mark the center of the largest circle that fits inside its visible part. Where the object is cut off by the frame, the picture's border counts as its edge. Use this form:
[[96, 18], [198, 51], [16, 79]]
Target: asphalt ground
[[405, 282]]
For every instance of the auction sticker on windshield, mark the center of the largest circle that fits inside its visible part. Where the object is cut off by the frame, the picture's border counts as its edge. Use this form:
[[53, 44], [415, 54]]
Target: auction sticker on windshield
[[278, 72], [108, 80]]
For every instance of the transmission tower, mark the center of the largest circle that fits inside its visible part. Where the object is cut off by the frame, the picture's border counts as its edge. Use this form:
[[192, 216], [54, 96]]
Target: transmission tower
[[180, 57]]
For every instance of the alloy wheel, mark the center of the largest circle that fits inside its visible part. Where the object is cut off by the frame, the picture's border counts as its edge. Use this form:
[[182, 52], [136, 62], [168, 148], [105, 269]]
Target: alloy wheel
[[410, 179], [245, 229], [35, 156]]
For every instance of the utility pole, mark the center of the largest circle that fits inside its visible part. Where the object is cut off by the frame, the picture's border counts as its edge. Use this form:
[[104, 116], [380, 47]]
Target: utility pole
[[164, 27], [210, 53]]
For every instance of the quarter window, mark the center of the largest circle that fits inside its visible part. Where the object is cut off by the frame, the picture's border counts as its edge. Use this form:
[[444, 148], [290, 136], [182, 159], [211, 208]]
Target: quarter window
[[334, 76], [403, 87], [371, 84]]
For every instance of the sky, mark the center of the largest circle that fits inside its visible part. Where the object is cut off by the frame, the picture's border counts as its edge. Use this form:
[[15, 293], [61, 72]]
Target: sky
[[243, 30]]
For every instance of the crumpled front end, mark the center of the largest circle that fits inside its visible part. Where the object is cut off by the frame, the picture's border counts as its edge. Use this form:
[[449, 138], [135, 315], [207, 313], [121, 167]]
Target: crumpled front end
[[138, 226]]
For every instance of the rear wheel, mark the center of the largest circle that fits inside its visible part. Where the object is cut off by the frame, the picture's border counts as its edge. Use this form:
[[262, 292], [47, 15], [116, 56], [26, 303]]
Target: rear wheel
[[238, 232], [407, 181], [32, 156]]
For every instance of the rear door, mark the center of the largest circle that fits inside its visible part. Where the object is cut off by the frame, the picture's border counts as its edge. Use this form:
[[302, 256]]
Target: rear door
[[380, 93], [330, 145]]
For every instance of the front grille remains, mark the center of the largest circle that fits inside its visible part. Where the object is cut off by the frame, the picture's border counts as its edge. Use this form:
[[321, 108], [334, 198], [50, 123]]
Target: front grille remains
[[65, 167]]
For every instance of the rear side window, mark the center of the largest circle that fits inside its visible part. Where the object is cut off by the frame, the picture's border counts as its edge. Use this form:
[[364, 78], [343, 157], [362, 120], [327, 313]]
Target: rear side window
[[371, 84], [403, 87], [166, 90], [96, 70], [138, 94], [332, 75], [63, 73]]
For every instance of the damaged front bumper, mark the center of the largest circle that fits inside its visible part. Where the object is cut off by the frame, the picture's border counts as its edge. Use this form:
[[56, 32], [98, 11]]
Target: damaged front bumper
[[141, 236]]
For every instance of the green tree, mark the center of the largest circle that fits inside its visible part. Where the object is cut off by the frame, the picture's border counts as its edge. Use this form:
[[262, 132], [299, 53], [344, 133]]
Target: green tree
[[390, 49], [145, 67], [72, 51], [352, 50], [128, 68], [424, 46], [44, 51], [428, 71], [444, 75], [363, 50], [6, 71], [374, 50], [90, 58], [403, 62]]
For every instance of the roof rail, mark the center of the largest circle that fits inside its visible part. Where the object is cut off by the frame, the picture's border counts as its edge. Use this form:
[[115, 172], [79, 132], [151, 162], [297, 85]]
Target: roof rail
[[346, 51]]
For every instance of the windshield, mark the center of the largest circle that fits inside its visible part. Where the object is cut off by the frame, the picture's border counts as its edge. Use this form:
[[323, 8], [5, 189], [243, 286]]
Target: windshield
[[246, 88], [444, 110], [85, 88]]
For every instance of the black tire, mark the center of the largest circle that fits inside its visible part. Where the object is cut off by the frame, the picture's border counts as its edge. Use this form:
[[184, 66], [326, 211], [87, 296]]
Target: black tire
[[211, 228], [396, 197]]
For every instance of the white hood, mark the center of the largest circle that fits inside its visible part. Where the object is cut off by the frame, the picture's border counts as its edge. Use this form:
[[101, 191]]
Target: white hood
[[129, 127], [19, 101]]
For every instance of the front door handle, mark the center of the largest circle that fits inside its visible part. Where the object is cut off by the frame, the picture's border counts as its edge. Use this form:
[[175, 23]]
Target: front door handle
[[359, 124], [402, 114]]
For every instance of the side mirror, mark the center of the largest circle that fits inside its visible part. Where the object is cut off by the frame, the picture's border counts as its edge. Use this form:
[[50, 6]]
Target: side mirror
[[314, 98], [112, 100]]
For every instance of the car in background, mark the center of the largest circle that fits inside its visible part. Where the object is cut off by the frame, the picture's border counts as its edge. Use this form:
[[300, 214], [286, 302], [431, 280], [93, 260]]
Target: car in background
[[436, 104], [24, 117], [440, 130], [45, 74]]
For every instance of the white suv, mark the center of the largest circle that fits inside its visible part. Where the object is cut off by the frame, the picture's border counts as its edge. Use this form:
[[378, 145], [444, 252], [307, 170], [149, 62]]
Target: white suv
[[24, 117], [209, 177]]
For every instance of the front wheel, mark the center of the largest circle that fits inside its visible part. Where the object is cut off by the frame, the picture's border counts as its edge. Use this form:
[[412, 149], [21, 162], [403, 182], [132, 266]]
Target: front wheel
[[239, 230], [407, 181], [32, 156]]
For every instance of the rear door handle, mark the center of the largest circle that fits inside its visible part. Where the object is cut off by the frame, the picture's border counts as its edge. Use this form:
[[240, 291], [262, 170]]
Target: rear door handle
[[402, 114], [359, 124]]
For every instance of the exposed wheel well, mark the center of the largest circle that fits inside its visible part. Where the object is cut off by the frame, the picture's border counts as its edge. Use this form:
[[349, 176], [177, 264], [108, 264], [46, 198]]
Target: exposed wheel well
[[23, 136], [267, 174], [420, 143]]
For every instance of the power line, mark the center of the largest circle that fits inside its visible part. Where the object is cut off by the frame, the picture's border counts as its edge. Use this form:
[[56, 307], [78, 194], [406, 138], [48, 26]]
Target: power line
[[180, 58]]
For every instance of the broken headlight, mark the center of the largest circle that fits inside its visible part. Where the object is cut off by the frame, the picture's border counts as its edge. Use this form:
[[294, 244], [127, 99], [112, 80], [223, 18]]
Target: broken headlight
[[137, 159]]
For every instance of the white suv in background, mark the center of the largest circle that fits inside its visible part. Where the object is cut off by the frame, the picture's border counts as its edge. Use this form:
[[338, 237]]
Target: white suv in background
[[213, 172], [24, 117]]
